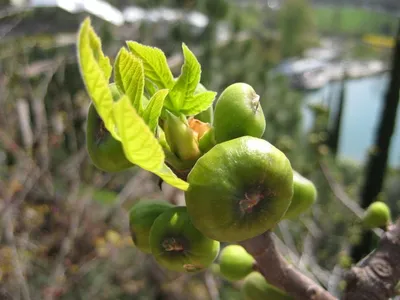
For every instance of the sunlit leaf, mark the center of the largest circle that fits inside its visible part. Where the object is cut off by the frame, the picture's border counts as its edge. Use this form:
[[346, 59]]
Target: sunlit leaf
[[139, 143], [198, 103], [155, 64], [95, 71], [153, 110], [186, 83], [169, 177], [129, 77]]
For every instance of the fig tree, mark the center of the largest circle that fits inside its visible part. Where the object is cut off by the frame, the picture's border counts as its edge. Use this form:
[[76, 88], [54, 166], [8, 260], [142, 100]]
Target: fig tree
[[238, 113], [255, 287], [239, 189], [141, 217], [178, 246], [377, 215], [235, 262], [304, 195]]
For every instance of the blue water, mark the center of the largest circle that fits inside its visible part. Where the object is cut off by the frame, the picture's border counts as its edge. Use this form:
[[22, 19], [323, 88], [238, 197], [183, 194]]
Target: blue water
[[363, 103]]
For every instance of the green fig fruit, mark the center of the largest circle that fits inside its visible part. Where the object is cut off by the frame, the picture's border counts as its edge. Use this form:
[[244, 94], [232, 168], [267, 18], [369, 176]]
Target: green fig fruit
[[215, 269], [178, 246], [235, 262], [105, 152], [141, 217], [239, 189], [377, 215], [304, 196], [255, 287], [238, 113]]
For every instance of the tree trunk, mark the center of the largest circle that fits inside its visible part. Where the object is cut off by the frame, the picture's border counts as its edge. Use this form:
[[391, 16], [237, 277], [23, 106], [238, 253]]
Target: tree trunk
[[378, 157], [334, 133]]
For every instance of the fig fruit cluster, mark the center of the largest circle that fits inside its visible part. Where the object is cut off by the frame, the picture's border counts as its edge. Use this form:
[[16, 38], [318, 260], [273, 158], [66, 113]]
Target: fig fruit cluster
[[243, 185], [240, 185], [166, 231]]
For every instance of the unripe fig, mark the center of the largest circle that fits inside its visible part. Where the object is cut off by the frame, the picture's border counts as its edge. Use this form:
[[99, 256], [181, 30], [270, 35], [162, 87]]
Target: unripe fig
[[178, 246], [377, 215], [141, 217], [238, 113], [304, 195], [239, 189], [255, 287], [215, 269], [235, 262], [105, 152], [207, 141]]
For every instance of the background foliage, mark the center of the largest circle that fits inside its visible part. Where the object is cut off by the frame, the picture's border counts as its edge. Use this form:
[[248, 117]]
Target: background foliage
[[64, 227]]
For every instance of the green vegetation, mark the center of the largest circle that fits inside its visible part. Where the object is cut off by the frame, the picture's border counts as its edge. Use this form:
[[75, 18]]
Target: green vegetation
[[356, 21]]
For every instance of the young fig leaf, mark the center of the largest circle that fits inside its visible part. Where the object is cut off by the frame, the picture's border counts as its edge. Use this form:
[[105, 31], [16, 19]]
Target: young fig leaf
[[153, 110], [140, 145], [129, 77], [155, 64], [95, 70], [186, 83]]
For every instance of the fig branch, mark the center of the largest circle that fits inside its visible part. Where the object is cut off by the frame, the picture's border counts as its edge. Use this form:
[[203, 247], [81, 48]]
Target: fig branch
[[376, 276], [237, 185], [278, 272]]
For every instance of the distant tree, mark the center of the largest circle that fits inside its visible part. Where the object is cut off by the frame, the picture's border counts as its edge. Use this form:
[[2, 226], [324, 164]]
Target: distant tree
[[296, 26], [334, 132], [378, 156]]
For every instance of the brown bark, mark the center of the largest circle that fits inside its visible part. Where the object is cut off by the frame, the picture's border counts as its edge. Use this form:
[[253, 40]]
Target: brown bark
[[375, 277], [278, 272]]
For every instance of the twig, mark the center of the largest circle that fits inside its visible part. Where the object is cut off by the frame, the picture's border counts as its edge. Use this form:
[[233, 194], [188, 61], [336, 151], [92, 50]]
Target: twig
[[287, 237], [308, 259], [376, 277], [211, 285], [14, 199], [67, 244], [334, 279], [307, 270], [135, 187], [342, 196], [19, 273], [39, 111], [24, 123], [279, 273]]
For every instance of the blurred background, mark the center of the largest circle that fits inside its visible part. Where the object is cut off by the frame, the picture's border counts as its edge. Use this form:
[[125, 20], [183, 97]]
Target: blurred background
[[322, 69]]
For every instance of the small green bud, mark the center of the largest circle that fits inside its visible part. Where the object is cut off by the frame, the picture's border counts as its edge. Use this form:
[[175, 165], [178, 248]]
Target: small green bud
[[377, 215], [255, 287], [181, 139], [235, 262]]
